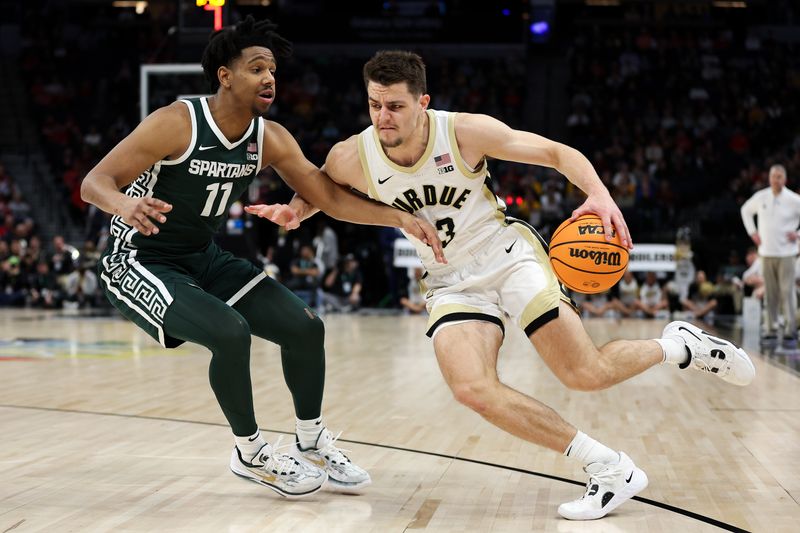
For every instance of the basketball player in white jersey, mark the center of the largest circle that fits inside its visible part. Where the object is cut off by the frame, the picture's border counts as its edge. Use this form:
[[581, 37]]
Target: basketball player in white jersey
[[433, 164]]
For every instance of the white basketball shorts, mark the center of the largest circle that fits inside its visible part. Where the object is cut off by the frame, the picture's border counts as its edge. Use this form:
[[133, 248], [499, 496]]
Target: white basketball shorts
[[510, 277]]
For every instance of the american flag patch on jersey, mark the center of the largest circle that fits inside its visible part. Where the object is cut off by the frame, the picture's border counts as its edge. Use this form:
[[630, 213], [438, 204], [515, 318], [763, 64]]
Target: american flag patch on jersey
[[252, 147], [443, 159]]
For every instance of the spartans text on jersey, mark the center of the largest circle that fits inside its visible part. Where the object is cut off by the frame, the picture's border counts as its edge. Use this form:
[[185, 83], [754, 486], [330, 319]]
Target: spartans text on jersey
[[216, 169]]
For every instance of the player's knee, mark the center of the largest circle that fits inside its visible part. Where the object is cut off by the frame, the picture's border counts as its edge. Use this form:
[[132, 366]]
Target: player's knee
[[232, 334], [585, 378], [477, 395], [313, 330], [307, 335]]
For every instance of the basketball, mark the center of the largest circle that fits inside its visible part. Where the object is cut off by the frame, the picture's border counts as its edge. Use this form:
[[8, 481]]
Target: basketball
[[583, 259]]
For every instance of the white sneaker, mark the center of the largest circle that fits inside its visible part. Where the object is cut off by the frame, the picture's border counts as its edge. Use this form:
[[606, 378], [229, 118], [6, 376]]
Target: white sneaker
[[280, 472], [708, 353], [342, 473], [609, 486]]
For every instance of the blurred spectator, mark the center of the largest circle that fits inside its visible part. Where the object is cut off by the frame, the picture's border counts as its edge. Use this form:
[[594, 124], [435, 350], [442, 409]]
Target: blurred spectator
[[12, 283], [304, 277], [414, 301], [62, 258], [752, 277], [341, 290], [652, 300], [627, 295], [18, 206], [90, 255], [701, 301], [270, 268], [45, 291], [327, 245], [597, 305], [80, 288]]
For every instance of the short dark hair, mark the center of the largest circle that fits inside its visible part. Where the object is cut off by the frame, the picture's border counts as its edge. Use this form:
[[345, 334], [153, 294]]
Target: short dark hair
[[226, 45], [388, 67]]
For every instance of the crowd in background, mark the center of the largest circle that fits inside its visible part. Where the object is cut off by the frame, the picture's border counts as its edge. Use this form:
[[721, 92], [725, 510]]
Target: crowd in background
[[681, 126]]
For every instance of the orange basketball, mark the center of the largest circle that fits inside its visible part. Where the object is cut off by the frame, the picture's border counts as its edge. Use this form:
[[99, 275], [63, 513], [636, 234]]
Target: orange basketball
[[583, 259]]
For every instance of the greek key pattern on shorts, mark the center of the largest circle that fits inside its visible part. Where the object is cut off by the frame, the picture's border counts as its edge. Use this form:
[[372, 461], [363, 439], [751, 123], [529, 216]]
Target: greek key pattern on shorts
[[137, 287]]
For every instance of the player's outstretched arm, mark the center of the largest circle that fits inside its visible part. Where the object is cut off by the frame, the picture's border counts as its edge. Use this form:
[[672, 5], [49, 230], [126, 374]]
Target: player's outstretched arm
[[166, 132], [318, 190], [483, 135]]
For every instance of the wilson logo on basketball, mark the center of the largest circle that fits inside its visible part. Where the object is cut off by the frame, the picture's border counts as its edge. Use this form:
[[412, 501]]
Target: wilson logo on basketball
[[599, 258], [584, 258], [591, 229]]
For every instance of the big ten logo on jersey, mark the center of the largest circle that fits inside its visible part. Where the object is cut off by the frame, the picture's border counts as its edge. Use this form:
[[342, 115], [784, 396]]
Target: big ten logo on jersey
[[444, 163], [594, 229], [252, 152]]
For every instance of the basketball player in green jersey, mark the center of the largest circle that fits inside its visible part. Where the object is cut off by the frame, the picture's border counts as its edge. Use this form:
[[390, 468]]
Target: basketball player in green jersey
[[184, 166], [433, 163]]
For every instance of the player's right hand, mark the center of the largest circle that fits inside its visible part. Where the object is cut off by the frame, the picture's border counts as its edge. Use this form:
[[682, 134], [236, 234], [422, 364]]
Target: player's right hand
[[424, 231], [144, 213], [280, 214]]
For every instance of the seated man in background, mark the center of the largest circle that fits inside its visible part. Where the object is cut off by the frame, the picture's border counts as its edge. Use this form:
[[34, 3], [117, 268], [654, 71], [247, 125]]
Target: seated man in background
[[627, 295], [304, 275], [596, 305], [414, 301], [341, 290], [753, 277], [651, 298], [81, 287], [701, 300]]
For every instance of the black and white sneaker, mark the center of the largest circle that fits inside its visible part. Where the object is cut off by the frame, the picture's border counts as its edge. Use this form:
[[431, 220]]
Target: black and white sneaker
[[609, 487], [711, 354], [280, 472]]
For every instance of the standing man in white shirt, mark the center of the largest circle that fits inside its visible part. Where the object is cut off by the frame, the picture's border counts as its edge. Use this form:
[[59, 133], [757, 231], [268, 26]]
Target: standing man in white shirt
[[778, 211]]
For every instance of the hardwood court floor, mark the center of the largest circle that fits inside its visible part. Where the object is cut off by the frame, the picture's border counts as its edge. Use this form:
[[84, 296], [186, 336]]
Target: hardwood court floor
[[102, 430]]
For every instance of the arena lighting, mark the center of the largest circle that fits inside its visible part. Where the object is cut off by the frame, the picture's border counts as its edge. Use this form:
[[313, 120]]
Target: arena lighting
[[602, 3], [216, 7], [139, 5], [730, 4], [540, 27]]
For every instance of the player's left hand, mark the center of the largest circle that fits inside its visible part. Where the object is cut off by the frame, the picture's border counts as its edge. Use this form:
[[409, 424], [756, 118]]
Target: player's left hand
[[280, 214], [602, 205], [424, 231]]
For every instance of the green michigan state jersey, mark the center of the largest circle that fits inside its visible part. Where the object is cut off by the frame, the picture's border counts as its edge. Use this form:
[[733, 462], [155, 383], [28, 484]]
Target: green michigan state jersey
[[201, 185]]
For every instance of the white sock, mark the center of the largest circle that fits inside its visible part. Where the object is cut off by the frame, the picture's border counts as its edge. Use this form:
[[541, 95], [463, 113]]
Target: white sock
[[587, 450], [674, 351], [249, 446], [308, 431]]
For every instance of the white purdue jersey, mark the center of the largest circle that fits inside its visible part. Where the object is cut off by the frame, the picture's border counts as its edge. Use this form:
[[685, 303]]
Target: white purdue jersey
[[440, 188]]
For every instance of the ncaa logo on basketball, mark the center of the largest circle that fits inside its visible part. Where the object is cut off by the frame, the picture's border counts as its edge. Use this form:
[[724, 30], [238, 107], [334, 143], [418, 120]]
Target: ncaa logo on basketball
[[592, 229]]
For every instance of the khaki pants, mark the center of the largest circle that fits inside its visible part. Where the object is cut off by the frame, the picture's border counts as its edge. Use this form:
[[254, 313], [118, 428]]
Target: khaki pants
[[780, 294]]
